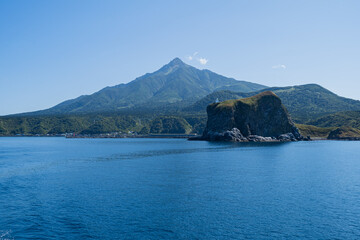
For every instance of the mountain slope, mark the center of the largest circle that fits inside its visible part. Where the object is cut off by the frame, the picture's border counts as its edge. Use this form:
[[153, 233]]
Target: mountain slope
[[304, 102], [174, 82], [349, 118]]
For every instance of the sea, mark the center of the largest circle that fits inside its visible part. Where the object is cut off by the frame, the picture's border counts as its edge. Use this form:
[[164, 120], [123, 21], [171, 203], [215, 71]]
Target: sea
[[58, 188]]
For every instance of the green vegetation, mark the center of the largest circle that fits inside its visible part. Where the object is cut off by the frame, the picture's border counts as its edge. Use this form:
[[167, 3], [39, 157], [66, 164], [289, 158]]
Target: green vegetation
[[160, 119], [304, 103], [173, 85], [251, 101], [345, 133], [227, 104], [174, 100], [307, 102], [200, 105], [97, 123], [197, 122], [349, 119], [167, 125], [313, 131], [328, 132], [254, 100]]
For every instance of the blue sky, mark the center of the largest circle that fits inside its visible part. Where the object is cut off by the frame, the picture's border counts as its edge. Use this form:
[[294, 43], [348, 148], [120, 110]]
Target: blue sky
[[51, 51]]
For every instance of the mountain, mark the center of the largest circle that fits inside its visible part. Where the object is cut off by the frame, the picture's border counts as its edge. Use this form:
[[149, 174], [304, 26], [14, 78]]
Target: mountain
[[304, 102], [348, 118], [181, 92], [175, 82]]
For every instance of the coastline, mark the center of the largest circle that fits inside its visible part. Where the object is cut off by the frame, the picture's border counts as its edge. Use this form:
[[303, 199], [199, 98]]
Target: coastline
[[170, 136], [108, 136]]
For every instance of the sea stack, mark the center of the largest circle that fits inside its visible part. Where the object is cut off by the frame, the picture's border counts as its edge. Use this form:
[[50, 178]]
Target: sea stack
[[260, 118]]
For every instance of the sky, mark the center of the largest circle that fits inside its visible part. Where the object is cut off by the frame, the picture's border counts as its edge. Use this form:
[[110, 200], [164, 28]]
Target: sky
[[52, 51]]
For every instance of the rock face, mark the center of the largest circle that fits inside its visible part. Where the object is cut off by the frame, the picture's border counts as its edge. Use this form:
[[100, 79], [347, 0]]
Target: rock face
[[344, 133], [260, 118]]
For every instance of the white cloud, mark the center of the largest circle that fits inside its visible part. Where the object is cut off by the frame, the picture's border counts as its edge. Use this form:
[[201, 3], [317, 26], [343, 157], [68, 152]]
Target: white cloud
[[203, 61], [282, 66], [191, 57]]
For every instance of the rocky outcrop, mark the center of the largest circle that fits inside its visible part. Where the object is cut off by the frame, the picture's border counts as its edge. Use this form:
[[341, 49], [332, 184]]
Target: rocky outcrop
[[344, 133], [260, 118]]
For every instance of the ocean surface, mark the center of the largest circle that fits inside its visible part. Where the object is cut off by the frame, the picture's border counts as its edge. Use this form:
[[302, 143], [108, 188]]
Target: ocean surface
[[57, 188]]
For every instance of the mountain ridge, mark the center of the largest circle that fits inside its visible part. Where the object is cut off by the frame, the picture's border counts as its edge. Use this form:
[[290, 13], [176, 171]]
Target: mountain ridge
[[173, 82], [304, 102]]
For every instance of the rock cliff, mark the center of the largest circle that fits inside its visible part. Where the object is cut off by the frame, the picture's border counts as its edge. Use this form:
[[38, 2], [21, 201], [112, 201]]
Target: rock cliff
[[344, 133], [258, 118]]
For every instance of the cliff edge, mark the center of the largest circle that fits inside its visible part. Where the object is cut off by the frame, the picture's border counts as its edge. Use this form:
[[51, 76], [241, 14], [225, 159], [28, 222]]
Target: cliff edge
[[259, 118]]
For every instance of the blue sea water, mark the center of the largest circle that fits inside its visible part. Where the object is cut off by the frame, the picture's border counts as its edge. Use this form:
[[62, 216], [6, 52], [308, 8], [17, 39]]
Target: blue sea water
[[57, 188]]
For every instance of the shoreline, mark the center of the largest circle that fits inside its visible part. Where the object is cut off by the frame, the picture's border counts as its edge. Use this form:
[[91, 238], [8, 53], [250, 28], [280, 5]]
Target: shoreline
[[169, 136], [110, 136]]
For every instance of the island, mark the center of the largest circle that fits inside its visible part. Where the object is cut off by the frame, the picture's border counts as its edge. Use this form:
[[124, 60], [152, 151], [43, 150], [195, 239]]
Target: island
[[260, 118]]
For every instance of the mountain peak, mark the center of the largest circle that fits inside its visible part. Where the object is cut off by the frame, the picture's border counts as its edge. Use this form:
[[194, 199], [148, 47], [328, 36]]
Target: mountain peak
[[172, 66], [173, 83], [176, 61]]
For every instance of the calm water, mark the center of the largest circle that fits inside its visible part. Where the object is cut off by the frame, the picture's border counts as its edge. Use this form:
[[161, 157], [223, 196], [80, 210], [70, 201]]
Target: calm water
[[56, 188]]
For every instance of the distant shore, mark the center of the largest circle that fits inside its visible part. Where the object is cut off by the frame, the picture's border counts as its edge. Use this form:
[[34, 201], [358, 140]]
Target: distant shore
[[136, 136], [183, 136], [106, 135]]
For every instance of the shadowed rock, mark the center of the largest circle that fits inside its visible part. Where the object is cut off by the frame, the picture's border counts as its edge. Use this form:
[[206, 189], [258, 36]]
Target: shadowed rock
[[260, 118]]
